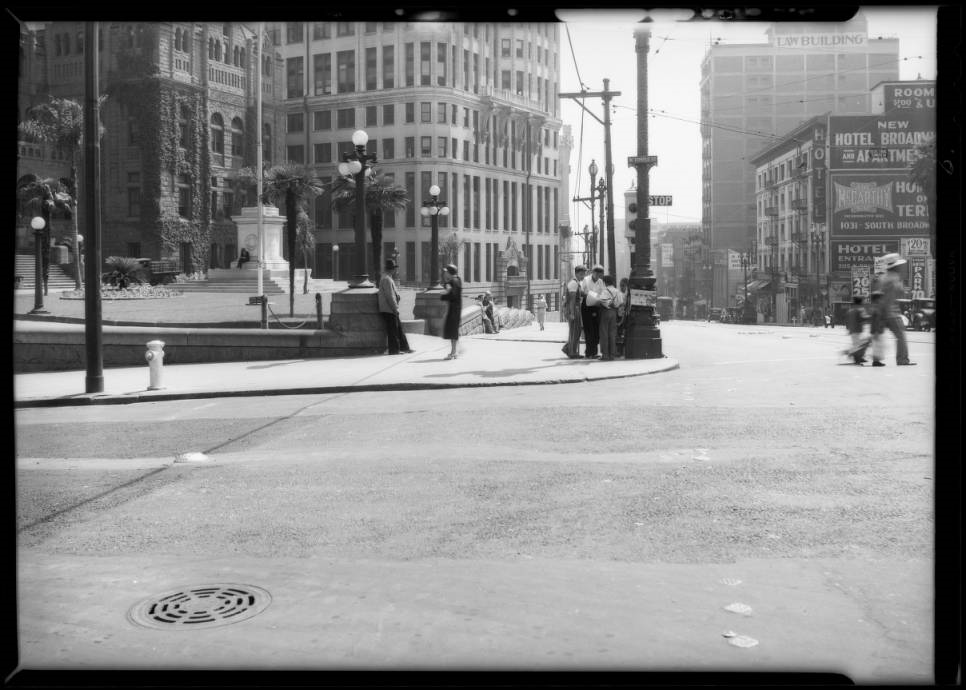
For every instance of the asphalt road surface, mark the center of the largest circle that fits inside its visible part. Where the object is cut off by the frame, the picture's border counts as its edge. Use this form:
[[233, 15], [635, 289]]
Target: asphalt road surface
[[765, 507]]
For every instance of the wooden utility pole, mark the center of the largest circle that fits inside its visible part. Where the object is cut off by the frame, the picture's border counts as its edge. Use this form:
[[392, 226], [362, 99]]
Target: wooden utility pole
[[607, 95], [643, 338]]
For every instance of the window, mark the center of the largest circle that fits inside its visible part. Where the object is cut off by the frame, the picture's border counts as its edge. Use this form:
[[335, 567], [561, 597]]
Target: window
[[425, 146], [441, 113], [346, 69], [321, 120], [505, 47], [267, 142], [228, 204], [505, 80], [519, 83], [323, 73], [388, 149], [133, 132], [133, 194], [295, 122], [519, 47], [453, 111], [410, 147], [293, 32], [217, 133], [296, 154], [371, 69], [425, 59], [441, 64], [410, 64], [466, 150], [321, 30], [370, 27], [237, 137], [388, 67], [388, 114], [293, 71], [323, 153], [425, 112], [346, 118], [441, 147], [344, 29], [184, 196], [410, 112]]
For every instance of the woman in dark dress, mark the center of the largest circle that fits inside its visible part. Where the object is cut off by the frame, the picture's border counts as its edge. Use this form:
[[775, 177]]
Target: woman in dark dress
[[453, 294]]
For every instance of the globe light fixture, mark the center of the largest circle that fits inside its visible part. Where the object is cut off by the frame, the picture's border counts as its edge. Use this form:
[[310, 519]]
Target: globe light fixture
[[37, 223], [359, 166]]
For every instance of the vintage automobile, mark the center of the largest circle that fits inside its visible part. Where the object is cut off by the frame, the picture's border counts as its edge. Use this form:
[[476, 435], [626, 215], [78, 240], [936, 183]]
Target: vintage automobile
[[715, 313], [923, 314]]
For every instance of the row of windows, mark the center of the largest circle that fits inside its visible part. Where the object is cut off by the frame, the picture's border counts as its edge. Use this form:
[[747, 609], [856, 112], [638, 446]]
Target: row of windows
[[810, 61], [322, 84], [295, 32]]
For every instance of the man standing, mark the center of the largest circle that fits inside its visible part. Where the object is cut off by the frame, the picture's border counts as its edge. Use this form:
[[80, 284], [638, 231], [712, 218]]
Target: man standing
[[890, 283], [571, 310], [389, 310], [591, 287]]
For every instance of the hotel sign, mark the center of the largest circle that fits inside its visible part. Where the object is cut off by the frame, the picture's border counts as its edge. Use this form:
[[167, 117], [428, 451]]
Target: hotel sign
[[846, 255], [853, 39], [867, 141]]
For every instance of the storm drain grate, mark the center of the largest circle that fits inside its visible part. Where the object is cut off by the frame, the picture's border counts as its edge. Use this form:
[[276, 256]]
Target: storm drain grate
[[205, 606]]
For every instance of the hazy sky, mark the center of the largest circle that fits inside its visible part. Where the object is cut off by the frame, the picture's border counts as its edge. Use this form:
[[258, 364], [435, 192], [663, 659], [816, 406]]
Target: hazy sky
[[605, 49]]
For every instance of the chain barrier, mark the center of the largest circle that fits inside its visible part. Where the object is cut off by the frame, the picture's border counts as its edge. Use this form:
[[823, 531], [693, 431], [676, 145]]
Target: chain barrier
[[283, 325]]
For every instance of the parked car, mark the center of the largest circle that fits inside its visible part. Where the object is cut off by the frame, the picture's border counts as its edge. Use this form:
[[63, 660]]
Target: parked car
[[923, 314], [714, 313]]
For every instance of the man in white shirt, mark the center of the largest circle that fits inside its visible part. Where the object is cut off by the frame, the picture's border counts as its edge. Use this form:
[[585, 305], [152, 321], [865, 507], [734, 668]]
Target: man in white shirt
[[590, 313]]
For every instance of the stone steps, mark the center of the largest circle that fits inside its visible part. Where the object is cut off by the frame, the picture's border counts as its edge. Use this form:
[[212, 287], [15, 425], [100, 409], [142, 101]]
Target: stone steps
[[56, 278]]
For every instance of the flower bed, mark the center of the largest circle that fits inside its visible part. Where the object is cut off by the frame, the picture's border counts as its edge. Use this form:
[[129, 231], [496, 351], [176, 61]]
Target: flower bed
[[136, 292]]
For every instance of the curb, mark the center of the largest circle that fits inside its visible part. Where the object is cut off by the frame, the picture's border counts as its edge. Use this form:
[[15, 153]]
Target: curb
[[113, 399]]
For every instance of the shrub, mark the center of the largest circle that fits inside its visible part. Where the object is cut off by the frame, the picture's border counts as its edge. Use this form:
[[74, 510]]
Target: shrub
[[123, 271]]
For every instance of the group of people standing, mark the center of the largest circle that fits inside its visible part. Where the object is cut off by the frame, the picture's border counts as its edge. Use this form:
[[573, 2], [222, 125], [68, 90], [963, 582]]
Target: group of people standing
[[596, 308]]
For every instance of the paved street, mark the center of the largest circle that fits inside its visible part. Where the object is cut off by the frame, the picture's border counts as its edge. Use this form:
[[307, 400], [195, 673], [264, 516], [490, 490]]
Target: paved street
[[763, 507]]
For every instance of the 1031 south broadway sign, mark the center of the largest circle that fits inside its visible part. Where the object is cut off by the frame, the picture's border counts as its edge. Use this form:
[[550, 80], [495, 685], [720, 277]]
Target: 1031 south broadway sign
[[876, 205]]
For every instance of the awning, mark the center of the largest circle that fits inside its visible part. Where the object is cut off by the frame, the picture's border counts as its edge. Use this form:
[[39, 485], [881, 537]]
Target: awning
[[756, 285]]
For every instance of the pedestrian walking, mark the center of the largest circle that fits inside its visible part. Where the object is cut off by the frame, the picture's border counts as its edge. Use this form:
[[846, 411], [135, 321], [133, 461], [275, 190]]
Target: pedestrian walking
[[877, 329], [540, 307], [610, 303], [890, 284], [389, 298], [591, 287], [572, 312], [828, 318], [855, 324], [453, 294]]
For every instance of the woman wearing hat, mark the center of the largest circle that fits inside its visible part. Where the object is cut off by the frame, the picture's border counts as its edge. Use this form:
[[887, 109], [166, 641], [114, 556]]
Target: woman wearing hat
[[890, 284], [453, 294]]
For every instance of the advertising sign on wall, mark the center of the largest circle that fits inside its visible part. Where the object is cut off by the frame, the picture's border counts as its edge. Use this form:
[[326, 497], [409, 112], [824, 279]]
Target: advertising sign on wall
[[845, 255], [734, 260], [859, 142], [819, 177], [870, 204], [667, 255], [861, 281], [917, 276], [905, 97], [931, 278], [914, 246]]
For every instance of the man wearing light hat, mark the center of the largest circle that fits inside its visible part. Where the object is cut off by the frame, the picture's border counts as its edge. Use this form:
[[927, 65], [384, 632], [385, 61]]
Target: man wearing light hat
[[389, 310], [890, 284]]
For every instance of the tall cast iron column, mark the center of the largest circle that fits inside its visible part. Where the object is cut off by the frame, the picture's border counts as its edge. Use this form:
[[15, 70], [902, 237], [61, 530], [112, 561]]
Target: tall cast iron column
[[643, 338], [609, 176], [93, 336]]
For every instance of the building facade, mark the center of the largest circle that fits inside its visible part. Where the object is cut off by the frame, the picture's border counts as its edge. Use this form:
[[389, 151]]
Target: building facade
[[753, 94], [179, 123], [836, 193], [472, 108]]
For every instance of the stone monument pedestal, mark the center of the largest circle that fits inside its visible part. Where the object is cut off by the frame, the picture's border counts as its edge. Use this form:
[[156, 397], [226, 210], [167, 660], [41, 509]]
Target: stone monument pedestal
[[431, 309], [272, 226]]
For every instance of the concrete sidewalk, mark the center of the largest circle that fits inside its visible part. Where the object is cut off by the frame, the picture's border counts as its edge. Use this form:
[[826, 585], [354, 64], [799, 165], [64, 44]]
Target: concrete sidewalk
[[521, 356]]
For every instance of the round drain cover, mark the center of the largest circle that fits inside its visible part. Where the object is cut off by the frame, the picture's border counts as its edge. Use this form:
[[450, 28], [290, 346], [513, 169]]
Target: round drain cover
[[204, 606]]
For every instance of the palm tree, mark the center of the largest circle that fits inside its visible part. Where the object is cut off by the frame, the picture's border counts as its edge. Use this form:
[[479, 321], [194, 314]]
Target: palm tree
[[923, 173], [382, 195], [291, 184], [60, 123], [43, 196], [306, 245]]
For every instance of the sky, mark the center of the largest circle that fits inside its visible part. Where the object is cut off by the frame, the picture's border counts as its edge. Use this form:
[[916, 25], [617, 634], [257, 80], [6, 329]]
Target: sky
[[603, 48]]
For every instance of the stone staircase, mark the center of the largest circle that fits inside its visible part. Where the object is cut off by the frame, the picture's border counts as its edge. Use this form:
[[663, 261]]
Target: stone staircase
[[233, 280], [56, 278]]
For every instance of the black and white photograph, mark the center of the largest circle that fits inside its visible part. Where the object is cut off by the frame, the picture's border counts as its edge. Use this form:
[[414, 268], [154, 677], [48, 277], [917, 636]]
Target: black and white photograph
[[414, 344]]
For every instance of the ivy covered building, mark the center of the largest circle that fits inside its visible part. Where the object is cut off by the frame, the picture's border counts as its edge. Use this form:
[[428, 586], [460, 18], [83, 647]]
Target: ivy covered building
[[179, 122]]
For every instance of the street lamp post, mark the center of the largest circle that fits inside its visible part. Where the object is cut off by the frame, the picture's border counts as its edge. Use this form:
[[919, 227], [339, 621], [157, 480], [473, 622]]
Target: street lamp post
[[593, 231], [335, 262], [359, 166], [601, 191], [38, 223], [772, 243], [816, 238], [434, 208]]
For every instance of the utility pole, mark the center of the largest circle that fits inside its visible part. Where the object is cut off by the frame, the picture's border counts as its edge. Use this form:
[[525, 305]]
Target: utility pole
[[643, 338], [93, 336], [606, 95]]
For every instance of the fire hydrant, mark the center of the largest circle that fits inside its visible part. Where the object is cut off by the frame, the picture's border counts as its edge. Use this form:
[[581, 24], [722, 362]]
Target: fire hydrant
[[155, 358]]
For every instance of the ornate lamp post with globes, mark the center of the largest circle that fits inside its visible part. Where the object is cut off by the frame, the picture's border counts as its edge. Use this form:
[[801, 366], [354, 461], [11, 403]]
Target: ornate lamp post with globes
[[359, 167], [434, 208], [38, 223]]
